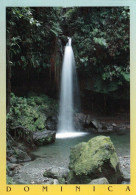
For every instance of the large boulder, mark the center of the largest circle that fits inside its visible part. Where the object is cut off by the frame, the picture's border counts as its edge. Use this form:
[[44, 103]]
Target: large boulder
[[95, 159], [44, 137]]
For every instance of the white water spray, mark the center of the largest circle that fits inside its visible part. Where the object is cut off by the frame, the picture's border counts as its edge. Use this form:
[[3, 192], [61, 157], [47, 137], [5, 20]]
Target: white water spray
[[69, 96]]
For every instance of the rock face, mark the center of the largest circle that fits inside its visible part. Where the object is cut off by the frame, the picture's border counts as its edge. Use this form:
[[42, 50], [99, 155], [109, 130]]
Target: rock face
[[99, 181], [88, 123], [95, 159], [44, 137]]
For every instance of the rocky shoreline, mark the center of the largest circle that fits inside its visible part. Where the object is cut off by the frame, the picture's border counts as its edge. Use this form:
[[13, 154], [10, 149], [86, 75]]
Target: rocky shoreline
[[51, 174]]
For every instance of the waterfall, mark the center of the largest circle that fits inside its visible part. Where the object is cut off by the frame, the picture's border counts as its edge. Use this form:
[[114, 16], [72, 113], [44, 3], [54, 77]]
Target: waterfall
[[66, 94], [69, 96]]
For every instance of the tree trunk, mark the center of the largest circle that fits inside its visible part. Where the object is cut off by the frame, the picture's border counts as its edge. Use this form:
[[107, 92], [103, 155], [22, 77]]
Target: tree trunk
[[8, 84]]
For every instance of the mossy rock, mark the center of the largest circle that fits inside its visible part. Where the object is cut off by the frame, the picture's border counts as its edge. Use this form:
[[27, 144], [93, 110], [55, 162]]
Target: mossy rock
[[44, 137], [58, 173], [95, 159]]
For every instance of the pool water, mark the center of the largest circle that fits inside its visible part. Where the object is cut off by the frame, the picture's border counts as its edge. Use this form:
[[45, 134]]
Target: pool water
[[57, 154]]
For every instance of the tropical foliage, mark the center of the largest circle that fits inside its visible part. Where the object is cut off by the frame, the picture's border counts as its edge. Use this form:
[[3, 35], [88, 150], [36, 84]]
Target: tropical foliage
[[36, 37]]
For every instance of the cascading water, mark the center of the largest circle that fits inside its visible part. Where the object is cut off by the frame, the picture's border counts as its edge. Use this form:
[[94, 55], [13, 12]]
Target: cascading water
[[68, 93]]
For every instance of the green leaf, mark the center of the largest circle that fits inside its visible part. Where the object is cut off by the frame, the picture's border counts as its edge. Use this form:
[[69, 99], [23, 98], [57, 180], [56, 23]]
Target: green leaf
[[126, 76], [23, 58]]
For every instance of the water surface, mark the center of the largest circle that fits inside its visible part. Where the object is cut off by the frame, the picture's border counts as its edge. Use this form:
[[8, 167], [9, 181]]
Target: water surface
[[57, 154]]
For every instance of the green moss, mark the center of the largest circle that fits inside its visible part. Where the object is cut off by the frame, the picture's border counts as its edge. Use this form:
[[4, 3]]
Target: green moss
[[61, 180], [9, 180], [45, 174], [96, 157], [30, 112], [94, 151], [40, 122], [114, 160]]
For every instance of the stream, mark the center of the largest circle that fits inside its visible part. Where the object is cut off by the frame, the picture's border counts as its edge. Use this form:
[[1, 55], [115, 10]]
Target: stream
[[57, 155]]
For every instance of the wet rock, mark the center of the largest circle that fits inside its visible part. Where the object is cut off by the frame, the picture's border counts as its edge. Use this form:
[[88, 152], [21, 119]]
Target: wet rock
[[110, 129], [79, 120], [95, 159], [21, 182], [12, 159], [114, 125], [56, 181], [58, 173], [22, 156], [48, 181], [126, 176], [125, 168], [95, 124], [42, 181], [125, 162], [99, 181], [44, 137], [12, 166], [86, 122], [106, 128]]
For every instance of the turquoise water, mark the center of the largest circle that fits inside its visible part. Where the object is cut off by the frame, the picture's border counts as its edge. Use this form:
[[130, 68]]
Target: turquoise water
[[57, 154], [60, 150]]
